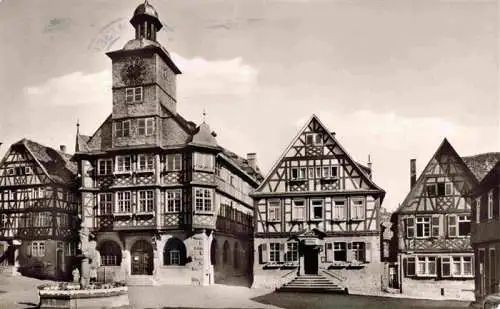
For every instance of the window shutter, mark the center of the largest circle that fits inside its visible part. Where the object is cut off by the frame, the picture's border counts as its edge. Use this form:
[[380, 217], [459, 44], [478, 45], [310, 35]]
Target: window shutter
[[405, 266], [263, 253], [350, 253], [329, 252], [410, 227], [282, 252], [452, 225], [435, 230], [438, 267], [368, 251]]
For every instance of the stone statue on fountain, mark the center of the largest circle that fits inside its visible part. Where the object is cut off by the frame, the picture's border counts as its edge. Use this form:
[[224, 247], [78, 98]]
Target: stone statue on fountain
[[84, 256]]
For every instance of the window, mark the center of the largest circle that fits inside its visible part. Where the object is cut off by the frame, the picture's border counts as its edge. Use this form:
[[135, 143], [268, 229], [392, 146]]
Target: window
[[203, 161], [40, 219], [299, 210], [357, 209], [133, 95], [314, 139], [311, 173], [123, 164], [105, 167], [490, 204], [448, 189], [146, 201], [145, 162], [11, 171], [174, 199], [292, 252], [203, 199], [145, 126], [318, 172], [340, 251], [274, 252], [105, 203], [435, 226], [173, 162], [123, 202], [426, 266], [358, 249], [410, 227], [410, 266], [122, 128], [431, 189], [423, 227], [458, 225], [456, 266], [174, 252], [28, 170], [440, 189], [38, 248], [339, 211], [274, 211], [478, 209], [316, 209], [111, 253], [294, 173], [326, 172]]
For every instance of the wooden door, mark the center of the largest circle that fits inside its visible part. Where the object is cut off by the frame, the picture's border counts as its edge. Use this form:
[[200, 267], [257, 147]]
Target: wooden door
[[142, 258], [310, 261]]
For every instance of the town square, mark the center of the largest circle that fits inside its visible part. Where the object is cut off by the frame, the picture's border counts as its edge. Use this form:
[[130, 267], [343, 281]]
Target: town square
[[249, 154]]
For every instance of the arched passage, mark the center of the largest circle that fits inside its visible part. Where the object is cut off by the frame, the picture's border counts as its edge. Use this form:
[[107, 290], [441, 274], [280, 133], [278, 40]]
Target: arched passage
[[111, 253], [236, 253], [174, 252], [213, 252], [142, 258], [226, 254]]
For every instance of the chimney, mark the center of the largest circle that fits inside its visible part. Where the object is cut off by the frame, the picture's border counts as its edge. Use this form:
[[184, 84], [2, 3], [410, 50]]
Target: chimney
[[252, 160], [62, 148], [413, 172]]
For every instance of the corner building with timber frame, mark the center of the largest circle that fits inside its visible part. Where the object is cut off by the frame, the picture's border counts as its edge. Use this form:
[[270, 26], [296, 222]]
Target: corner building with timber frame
[[317, 214], [166, 203]]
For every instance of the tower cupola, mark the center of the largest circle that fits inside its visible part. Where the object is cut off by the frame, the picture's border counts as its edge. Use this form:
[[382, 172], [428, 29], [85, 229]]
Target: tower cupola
[[146, 22]]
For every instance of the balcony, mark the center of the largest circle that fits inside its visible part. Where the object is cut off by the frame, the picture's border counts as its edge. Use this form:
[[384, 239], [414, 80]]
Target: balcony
[[485, 231]]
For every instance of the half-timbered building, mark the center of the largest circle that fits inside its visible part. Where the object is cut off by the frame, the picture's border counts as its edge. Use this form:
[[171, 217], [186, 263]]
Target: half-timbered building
[[38, 211], [434, 224], [317, 214], [486, 231], [166, 203]]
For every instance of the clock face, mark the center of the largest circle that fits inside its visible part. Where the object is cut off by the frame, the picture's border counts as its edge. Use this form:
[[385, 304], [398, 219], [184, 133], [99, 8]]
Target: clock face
[[134, 70]]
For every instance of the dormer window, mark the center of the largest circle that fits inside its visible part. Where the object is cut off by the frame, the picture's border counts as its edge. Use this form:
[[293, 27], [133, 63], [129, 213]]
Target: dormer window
[[314, 139], [133, 94]]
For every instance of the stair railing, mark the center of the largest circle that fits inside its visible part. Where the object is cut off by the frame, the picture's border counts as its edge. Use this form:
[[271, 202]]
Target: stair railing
[[335, 276]]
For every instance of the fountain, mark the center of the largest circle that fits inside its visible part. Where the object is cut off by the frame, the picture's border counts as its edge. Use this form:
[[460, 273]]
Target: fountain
[[84, 291]]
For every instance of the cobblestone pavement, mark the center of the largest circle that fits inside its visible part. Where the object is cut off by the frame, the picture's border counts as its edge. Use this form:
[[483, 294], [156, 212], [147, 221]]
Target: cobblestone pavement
[[21, 292]]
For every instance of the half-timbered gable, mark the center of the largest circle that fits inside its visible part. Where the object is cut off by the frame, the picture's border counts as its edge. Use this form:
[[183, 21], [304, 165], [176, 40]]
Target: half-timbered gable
[[158, 185], [38, 208], [316, 186], [434, 222]]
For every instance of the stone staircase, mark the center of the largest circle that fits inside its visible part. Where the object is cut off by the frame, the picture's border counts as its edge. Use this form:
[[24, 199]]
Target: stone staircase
[[141, 280], [312, 284]]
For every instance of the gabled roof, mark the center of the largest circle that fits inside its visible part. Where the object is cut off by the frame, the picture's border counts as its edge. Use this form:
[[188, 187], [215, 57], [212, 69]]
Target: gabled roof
[[56, 165], [481, 164], [489, 180], [444, 147], [243, 165], [363, 171]]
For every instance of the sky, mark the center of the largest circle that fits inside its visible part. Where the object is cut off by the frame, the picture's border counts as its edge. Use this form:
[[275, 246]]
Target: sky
[[392, 78]]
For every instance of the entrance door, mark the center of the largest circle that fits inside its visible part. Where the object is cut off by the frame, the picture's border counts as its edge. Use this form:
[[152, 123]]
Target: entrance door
[[59, 263], [142, 258], [310, 261]]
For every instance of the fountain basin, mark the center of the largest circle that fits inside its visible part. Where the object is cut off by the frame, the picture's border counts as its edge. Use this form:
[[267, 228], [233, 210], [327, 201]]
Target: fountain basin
[[70, 296]]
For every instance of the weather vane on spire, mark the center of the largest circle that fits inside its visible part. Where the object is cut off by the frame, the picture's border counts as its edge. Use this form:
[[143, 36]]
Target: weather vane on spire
[[204, 114]]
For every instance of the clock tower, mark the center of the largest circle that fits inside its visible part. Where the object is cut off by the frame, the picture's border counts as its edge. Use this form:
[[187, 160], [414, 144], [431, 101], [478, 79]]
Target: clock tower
[[144, 79]]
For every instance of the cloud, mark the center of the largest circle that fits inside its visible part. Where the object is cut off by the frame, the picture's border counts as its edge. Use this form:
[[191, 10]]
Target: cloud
[[72, 89], [202, 77]]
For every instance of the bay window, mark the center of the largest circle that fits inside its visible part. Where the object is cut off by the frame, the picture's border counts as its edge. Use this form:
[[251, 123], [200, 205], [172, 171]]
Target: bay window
[[123, 164], [203, 199], [203, 161], [123, 204], [145, 201], [174, 200], [145, 162], [173, 162], [105, 201]]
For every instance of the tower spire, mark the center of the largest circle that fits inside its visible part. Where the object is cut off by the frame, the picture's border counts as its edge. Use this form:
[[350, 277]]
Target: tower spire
[[146, 22], [77, 146], [204, 115]]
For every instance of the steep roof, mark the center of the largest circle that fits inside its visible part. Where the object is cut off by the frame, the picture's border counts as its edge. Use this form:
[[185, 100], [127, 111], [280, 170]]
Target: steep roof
[[56, 164], [204, 136], [444, 147], [242, 163], [482, 163]]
